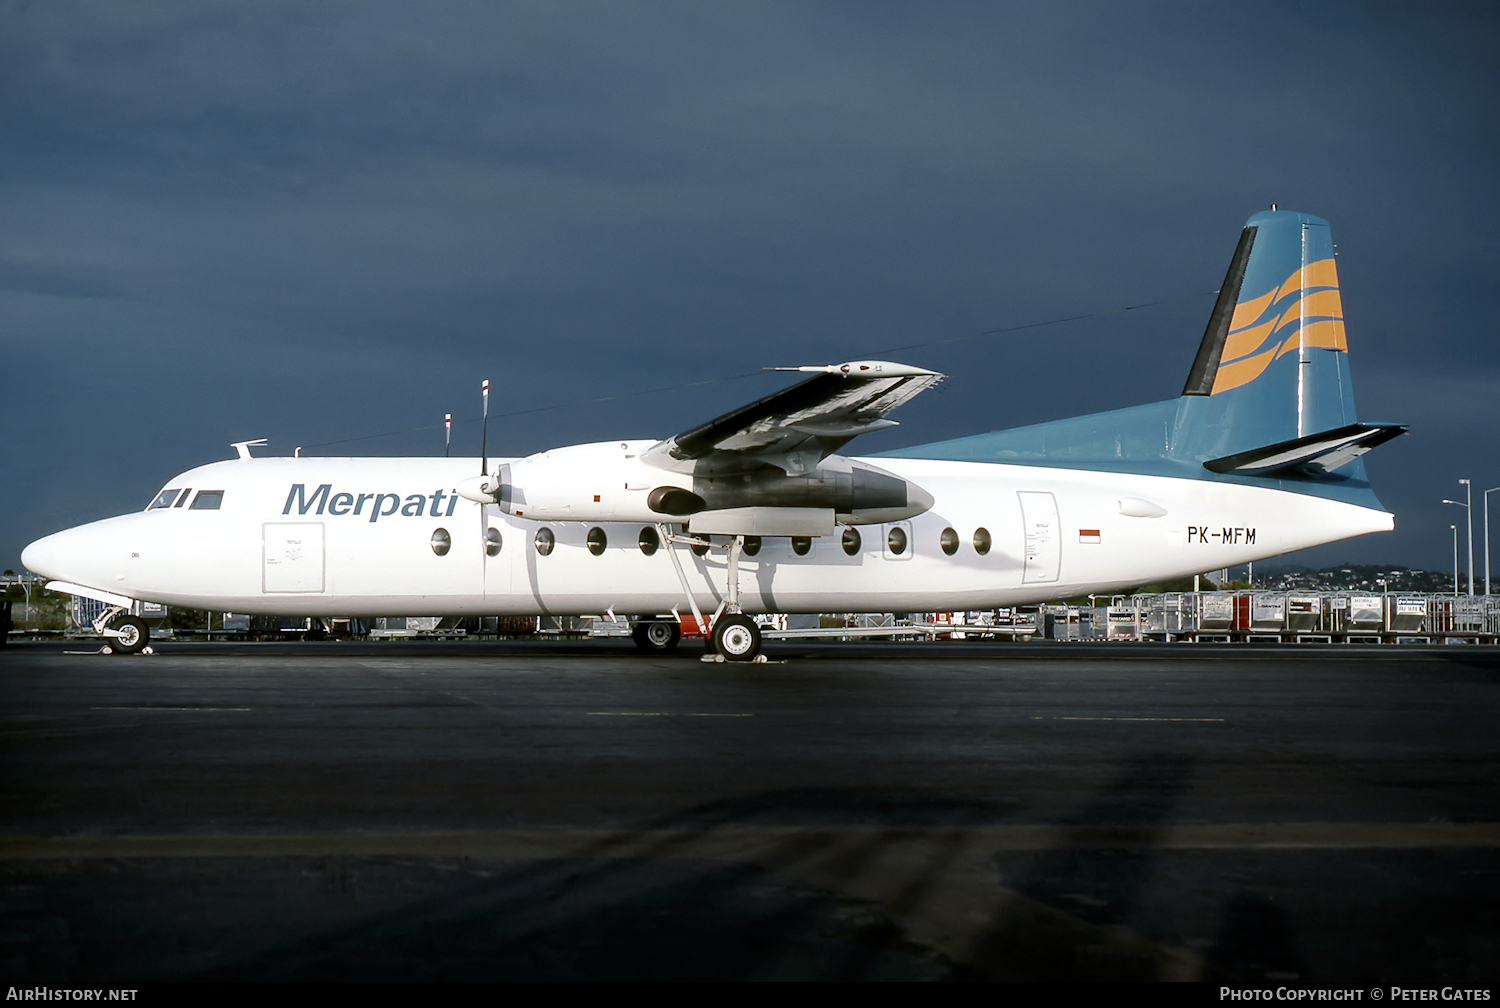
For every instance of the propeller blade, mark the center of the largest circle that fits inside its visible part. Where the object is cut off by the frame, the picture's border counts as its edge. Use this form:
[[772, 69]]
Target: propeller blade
[[484, 433]]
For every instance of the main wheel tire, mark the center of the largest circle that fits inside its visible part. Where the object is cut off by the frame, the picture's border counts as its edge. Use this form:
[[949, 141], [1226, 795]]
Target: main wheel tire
[[736, 637], [656, 636], [134, 634]]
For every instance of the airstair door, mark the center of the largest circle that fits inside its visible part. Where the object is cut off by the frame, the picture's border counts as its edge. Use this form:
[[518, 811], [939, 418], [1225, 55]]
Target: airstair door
[[1043, 538], [292, 557]]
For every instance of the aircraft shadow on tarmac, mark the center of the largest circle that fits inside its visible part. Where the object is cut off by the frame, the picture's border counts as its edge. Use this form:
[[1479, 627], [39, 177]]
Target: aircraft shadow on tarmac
[[861, 886], [727, 890]]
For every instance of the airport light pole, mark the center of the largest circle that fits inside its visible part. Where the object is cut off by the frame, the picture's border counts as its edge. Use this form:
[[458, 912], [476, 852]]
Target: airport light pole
[[1469, 511], [1469, 517], [1455, 556], [1487, 538]]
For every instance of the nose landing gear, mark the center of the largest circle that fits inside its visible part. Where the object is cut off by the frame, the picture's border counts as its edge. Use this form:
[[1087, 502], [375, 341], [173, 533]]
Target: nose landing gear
[[122, 634], [133, 634]]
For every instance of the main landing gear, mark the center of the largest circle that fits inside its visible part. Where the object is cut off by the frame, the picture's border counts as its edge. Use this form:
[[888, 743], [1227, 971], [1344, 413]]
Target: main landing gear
[[657, 636], [733, 635]]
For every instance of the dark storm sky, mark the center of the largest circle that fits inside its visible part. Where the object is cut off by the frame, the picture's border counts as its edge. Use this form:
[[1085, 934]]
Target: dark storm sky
[[315, 222]]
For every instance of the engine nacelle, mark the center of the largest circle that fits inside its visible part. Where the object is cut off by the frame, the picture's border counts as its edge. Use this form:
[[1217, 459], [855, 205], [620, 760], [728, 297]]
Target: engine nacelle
[[592, 482], [609, 481]]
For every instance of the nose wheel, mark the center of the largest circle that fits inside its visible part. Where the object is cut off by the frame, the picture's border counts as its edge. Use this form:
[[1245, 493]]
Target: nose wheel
[[130, 636]]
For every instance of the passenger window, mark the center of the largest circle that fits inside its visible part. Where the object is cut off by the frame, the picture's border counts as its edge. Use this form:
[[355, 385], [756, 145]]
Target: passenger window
[[164, 499], [801, 545], [207, 500]]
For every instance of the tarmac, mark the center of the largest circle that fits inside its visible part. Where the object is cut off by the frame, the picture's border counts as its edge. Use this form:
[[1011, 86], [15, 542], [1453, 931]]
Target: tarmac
[[1259, 816]]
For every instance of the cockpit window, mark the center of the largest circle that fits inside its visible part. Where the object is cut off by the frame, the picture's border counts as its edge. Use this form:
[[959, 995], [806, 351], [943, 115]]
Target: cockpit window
[[207, 500], [165, 499]]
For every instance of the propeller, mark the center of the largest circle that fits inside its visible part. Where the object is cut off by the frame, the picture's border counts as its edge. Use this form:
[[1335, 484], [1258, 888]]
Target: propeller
[[482, 488], [484, 432]]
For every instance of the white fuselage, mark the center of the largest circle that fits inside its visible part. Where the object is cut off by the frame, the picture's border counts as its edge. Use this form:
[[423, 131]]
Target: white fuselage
[[365, 545]]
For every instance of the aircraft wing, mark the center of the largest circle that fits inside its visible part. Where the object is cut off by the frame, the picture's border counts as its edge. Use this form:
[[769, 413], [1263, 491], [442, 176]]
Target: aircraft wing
[[799, 426]]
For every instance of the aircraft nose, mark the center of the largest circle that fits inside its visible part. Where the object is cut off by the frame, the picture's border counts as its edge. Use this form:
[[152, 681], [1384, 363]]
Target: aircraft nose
[[92, 554], [48, 556]]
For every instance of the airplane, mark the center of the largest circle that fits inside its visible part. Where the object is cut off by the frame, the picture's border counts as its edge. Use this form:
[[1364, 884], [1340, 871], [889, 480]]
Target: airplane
[[1259, 455]]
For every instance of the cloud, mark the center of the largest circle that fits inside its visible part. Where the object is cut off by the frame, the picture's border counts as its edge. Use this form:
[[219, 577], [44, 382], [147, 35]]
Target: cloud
[[325, 219]]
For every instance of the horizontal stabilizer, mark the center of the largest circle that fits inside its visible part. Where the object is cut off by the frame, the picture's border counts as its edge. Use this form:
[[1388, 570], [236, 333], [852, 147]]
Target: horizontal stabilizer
[[1315, 454]]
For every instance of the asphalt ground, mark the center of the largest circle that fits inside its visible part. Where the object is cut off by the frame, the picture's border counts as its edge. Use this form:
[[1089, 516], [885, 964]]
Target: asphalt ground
[[1260, 815]]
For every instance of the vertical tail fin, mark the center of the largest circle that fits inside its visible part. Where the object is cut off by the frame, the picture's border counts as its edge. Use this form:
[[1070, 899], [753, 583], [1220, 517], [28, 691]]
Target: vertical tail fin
[[1274, 364], [1268, 396]]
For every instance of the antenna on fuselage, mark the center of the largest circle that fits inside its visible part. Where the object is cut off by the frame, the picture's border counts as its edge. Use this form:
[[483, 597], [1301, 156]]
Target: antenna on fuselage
[[484, 432], [242, 448], [447, 434]]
